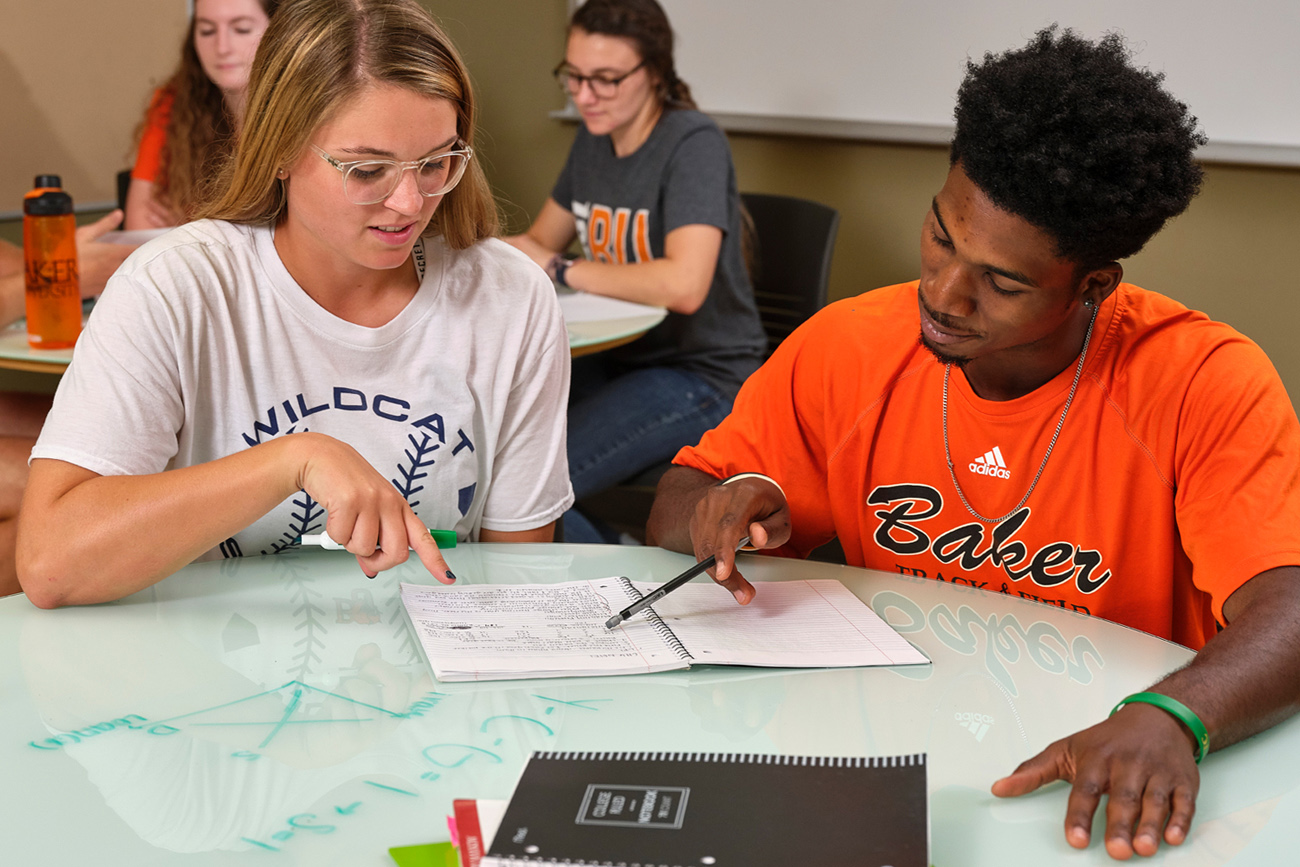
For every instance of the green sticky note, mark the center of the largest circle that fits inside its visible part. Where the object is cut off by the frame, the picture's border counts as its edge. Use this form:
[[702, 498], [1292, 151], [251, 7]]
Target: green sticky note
[[427, 855]]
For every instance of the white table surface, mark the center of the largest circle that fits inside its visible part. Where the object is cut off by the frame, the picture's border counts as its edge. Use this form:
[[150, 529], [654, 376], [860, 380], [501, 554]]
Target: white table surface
[[277, 710]]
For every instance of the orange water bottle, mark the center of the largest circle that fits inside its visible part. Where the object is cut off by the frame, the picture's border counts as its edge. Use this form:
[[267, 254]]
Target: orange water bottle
[[50, 251]]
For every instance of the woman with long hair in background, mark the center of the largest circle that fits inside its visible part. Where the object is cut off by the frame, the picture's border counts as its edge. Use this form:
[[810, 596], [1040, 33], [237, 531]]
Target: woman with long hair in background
[[192, 119]]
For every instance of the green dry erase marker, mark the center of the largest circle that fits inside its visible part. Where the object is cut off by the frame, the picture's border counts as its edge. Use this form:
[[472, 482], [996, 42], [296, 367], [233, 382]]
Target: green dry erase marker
[[444, 538]]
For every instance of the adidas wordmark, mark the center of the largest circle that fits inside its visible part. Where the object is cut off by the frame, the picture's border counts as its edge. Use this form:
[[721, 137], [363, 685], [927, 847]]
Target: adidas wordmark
[[990, 464]]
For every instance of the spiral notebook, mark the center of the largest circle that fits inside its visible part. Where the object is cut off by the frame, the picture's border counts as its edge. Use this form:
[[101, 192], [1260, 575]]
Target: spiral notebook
[[509, 631], [725, 810]]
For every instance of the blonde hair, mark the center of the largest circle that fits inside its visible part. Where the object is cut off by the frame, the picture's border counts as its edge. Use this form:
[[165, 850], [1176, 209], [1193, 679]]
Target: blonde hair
[[314, 57]]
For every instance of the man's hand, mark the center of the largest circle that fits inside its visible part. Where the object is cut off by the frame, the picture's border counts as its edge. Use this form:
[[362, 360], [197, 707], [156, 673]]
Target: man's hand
[[1243, 681], [693, 513], [1142, 759], [96, 260]]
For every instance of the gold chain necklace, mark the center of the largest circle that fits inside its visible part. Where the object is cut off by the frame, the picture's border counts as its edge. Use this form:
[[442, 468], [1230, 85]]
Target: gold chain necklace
[[947, 453]]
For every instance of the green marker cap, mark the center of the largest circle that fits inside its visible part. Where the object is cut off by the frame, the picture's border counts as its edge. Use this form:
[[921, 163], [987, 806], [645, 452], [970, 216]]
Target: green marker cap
[[444, 538]]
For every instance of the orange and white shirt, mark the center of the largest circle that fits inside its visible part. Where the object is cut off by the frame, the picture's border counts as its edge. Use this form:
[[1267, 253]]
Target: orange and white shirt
[[1175, 479]]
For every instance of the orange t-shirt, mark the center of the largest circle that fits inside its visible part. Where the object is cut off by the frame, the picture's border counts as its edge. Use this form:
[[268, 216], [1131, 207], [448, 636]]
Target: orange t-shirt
[[148, 159], [1175, 479]]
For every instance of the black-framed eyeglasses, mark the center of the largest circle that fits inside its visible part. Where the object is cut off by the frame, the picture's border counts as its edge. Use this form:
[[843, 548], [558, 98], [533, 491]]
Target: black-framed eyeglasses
[[366, 182], [603, 86]]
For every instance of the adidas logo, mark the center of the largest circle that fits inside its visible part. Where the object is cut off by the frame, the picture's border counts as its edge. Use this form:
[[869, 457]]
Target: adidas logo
[[976, 723], [990, 464]]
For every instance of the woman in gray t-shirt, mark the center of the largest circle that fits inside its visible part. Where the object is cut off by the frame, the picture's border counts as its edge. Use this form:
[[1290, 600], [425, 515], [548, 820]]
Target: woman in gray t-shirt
[[649, 191]]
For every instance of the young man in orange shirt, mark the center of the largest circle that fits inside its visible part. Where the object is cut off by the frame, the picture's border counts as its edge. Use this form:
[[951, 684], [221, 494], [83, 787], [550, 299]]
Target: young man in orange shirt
[[1054, 432]]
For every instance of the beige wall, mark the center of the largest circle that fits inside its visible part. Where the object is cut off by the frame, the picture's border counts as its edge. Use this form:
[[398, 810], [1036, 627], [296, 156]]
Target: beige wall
[[1235, 254], [75, 77]]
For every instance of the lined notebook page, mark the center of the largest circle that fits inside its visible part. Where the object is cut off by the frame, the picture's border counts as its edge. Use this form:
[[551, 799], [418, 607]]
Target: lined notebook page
[[811, 623], [501, 632]]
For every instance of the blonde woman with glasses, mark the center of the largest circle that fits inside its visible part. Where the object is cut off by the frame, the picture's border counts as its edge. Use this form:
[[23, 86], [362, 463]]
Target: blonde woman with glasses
[[344, 287]]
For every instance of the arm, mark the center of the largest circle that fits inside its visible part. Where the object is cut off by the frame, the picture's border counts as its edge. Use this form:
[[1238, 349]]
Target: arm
[[98, 260], [694, 514], [145, 211], [13, 297], [549, 235], [126, 525], [679, 281], [537, 534], [11, 259], [1245, 680]]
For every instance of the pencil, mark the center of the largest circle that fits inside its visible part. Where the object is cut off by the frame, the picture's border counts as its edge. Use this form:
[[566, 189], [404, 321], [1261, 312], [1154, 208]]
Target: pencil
[[668, 587]]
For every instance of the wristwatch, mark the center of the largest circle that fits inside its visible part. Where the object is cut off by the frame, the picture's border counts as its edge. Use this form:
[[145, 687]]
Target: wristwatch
[[561, 265]]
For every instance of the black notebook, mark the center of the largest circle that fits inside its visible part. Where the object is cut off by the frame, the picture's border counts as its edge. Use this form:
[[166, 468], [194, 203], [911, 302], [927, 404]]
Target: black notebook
[[715, 810]]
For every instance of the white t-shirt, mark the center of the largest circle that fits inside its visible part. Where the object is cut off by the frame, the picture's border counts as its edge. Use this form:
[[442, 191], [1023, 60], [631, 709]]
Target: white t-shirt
[[203, 345]]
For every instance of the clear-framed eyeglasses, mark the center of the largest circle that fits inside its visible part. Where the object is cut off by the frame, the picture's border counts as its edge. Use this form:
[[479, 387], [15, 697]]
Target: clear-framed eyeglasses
[[603, 86], [366, 182]]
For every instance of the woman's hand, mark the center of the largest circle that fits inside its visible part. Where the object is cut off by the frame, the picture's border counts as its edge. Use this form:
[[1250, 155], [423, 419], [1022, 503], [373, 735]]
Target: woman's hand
[[145, 211], [367, 515], [98, 260]]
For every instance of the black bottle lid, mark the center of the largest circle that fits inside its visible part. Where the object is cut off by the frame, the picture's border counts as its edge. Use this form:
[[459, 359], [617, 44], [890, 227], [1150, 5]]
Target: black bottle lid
[[54, 202]]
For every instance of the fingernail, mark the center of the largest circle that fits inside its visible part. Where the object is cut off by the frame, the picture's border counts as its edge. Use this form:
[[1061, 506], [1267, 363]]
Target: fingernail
[[451, 576]]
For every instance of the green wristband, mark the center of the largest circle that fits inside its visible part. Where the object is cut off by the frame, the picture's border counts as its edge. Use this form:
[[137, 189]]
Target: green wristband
[[1179, 711]]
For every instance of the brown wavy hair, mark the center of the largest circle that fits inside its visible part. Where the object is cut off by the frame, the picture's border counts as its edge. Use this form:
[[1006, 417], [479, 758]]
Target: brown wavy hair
[[200, 133], [314, 57], [646, 25]]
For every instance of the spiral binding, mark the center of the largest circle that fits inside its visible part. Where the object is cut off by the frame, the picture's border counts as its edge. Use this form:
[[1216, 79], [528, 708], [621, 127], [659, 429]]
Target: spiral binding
[[738, 758], [663, 630]]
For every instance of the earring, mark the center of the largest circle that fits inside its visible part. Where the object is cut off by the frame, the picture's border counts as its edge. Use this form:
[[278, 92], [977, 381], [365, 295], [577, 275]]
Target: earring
[[1088, 302], [281, 174]]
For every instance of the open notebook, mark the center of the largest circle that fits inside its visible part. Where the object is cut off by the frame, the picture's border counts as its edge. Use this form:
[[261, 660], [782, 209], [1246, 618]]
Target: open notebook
[[503, 632]]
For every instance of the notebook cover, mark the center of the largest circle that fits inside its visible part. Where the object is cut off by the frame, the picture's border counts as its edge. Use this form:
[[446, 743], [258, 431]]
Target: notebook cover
[[722, 810]]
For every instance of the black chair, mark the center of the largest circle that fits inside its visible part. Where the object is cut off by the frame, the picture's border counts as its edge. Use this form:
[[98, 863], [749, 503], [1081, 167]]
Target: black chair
[[123, 183], [793, 242]]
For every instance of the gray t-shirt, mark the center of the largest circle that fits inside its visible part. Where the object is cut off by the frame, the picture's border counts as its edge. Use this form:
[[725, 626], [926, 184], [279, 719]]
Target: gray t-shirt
[[624, 206]]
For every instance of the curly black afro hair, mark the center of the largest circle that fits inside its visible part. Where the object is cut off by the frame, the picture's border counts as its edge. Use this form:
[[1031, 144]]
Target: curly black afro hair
[[1068, 135]]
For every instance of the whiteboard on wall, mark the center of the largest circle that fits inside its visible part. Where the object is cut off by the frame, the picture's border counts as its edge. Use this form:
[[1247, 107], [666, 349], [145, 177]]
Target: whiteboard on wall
[[889, 69]]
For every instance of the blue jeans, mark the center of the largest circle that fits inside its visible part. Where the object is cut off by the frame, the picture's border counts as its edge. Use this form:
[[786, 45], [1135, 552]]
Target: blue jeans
[[622, 424]]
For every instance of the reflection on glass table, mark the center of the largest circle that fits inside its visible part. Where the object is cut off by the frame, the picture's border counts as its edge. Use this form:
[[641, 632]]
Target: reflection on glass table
[[280, 708]]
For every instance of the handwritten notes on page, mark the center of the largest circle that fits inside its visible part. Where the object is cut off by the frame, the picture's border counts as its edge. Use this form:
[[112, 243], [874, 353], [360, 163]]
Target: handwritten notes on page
[[501, 632]]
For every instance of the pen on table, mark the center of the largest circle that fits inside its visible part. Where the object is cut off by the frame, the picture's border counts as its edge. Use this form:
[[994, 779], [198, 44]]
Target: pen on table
[[444, 538], [668, 587]]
